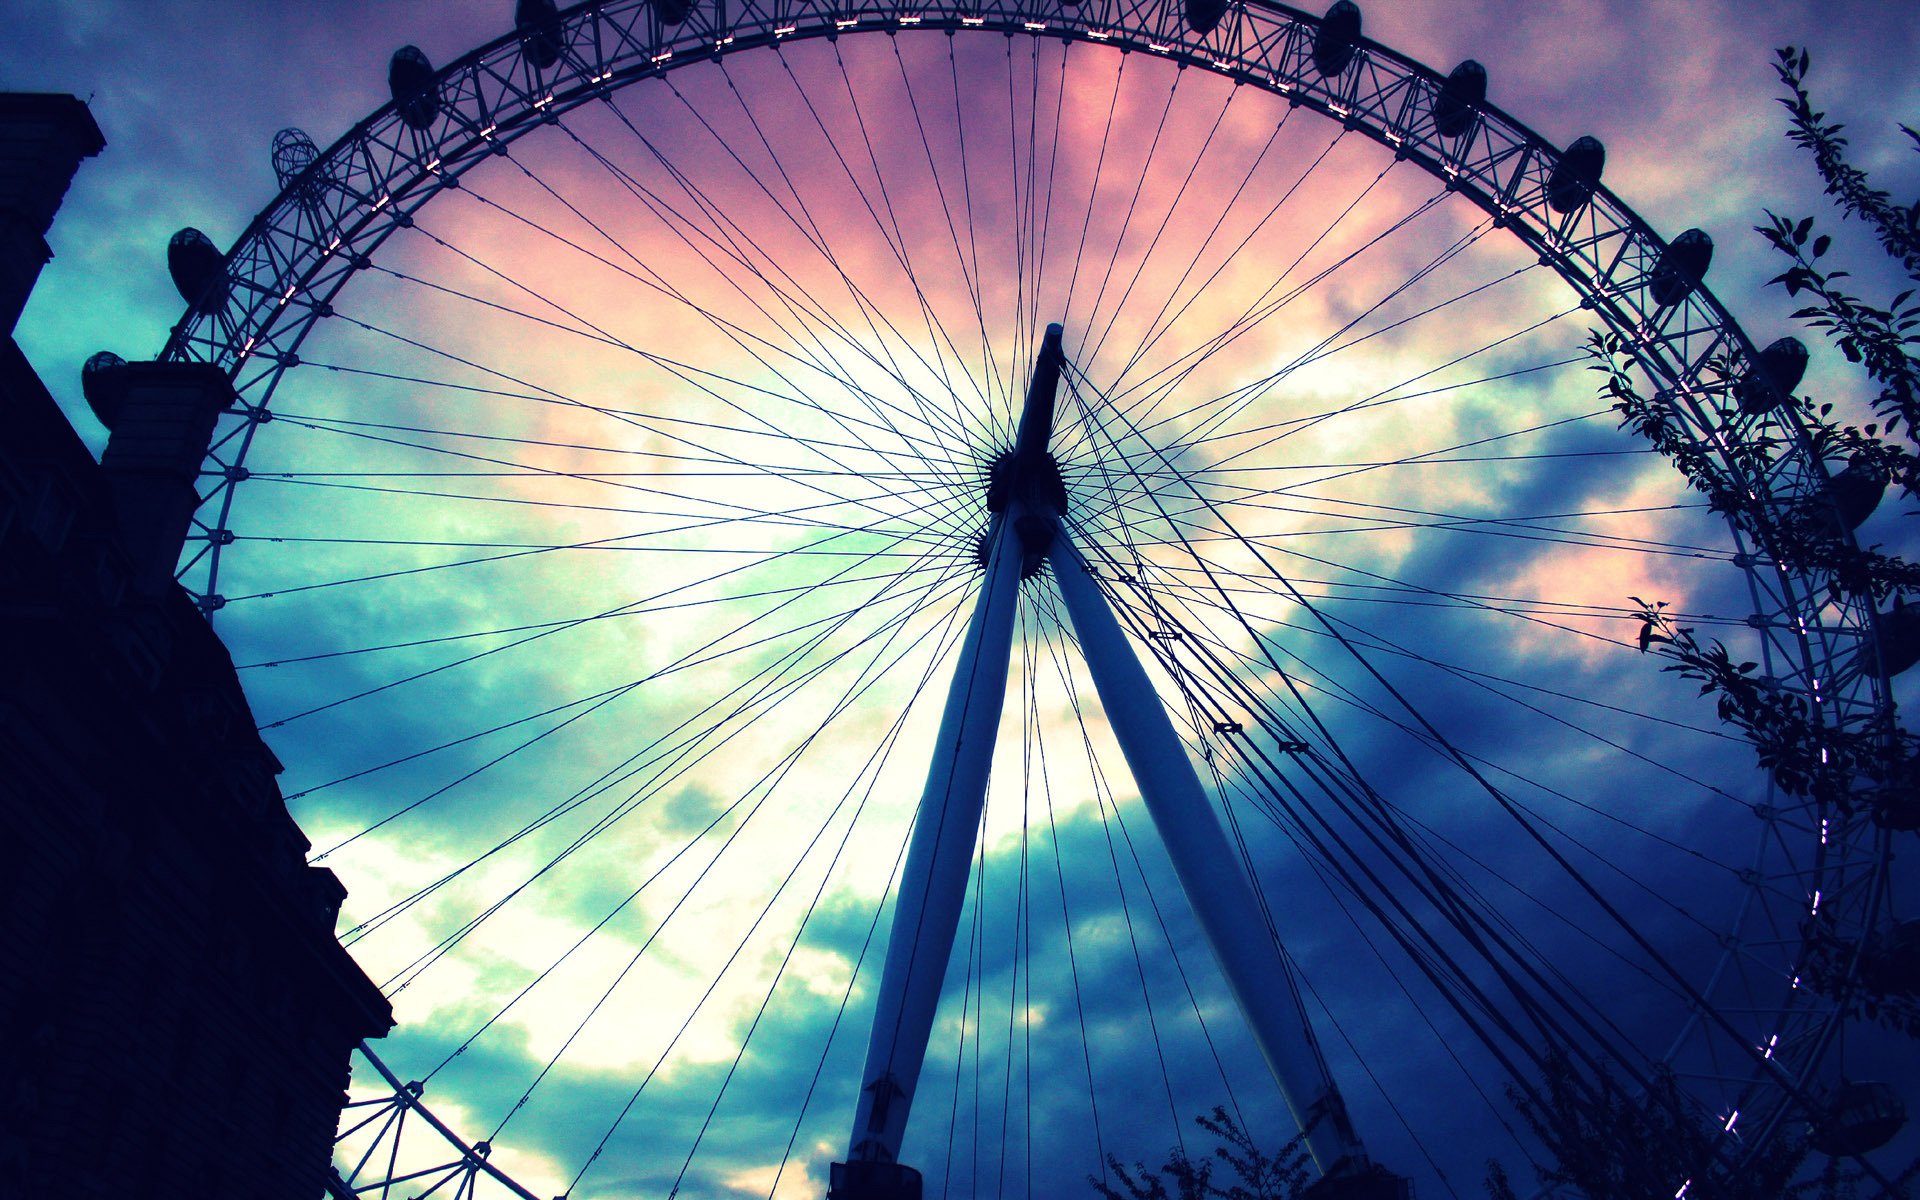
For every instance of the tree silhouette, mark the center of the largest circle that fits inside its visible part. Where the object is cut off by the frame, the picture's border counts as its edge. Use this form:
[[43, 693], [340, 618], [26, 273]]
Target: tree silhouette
[[1251, 1173], [1874, 767], [1611, 1142], [1583, 1121]]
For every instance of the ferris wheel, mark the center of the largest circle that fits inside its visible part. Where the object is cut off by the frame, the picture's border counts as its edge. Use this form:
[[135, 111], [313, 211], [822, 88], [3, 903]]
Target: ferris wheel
[[1159, 438]]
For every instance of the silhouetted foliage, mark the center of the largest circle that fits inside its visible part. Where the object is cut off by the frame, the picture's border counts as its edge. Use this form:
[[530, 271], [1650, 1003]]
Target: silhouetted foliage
[[1845, 767], [1605, 1141], [1881, 340], [1842, 766], [1250, 1172], [1878, 339], [1827, 969], [1611, 1142], [1897, 226], [1809, 539]]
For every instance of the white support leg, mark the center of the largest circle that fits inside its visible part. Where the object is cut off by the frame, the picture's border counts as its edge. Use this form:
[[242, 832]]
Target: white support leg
[[1209, 872], [1027, 496], [933, 883]]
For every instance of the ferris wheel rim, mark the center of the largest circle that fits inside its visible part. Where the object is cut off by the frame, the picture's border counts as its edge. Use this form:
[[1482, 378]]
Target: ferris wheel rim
[[262, 334], [295, 261]]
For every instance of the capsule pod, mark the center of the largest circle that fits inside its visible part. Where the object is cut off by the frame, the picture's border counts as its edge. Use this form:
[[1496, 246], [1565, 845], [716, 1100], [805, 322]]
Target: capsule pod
[[1855, 492], [1204, 15], [1859, 1118], [1337, 38], [1898, 632], [1775, 372], [293, 153], [538, 24], [293, 157], [103, 381], [1460, 95], [1574, 177], [1900, 812], [1681, 267], [416, 95], [198, 270], [1897, 807], [672, 12], [1892, 961]]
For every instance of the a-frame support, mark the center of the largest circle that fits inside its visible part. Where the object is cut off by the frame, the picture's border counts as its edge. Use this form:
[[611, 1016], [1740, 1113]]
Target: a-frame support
[[1027, 502]]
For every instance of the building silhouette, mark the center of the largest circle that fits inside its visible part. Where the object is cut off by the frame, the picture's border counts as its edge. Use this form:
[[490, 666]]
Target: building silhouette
[[176, 1013]]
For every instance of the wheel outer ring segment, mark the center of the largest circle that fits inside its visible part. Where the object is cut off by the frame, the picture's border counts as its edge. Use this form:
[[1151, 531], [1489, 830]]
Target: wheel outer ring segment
[[294, 258]]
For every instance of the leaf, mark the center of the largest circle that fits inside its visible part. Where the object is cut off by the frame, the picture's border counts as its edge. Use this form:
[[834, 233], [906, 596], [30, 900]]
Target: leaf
[[1820, 245]]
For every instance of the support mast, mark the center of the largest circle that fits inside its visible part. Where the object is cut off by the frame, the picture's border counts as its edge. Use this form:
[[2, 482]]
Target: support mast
[[1027, 501], [1209, 872], [933, 882]]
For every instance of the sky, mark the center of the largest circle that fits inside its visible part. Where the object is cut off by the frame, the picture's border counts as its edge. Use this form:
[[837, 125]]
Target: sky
[[598, 579]]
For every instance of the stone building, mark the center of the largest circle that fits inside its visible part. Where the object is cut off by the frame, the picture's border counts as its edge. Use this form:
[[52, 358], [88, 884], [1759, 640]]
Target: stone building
[[176, 1013]]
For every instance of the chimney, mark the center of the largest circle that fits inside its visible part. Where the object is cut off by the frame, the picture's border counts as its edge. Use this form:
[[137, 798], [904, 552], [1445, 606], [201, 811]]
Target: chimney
[[163, 416], [43, 137]]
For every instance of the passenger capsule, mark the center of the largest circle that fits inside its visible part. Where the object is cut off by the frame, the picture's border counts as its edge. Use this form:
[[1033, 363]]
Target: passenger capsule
[[103, 381], [198, 270], [1898, 632], [1775, 372], [672, 12], [1204, 15], [1855, 492], [293, 157], [538, 24], [1462, 93], [1337, 38], [1681, 267], [1859, 1117], [293, 153], [1897, 807], [1575, 176], [416, 95], [1900, 812], [1892, 961]]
